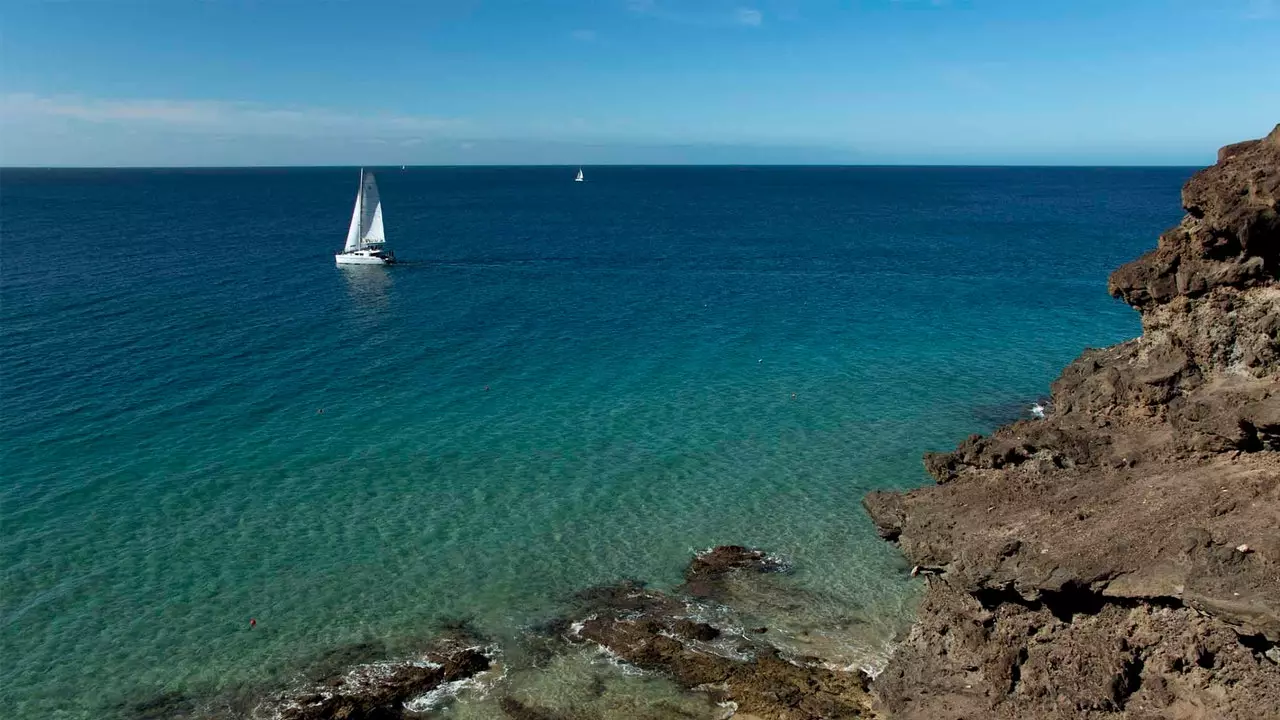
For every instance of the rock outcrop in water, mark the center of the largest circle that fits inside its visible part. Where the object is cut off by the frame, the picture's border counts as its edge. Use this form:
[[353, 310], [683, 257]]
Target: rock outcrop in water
[[379, 690], [1121, 558], [737, 669]]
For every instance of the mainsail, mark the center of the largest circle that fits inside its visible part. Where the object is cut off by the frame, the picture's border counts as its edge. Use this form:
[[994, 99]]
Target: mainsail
[[366, 218]]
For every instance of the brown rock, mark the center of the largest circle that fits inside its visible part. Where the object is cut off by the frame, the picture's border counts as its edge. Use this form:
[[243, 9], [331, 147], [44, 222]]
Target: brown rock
[[706, 574], [378, 690], [1230, 237], [1088, 564], [653, 631]]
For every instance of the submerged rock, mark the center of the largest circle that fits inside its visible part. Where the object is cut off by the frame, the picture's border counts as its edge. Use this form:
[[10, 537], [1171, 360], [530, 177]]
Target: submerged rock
[[706, 575], [166, 706], [1087, 564], [517, 710]]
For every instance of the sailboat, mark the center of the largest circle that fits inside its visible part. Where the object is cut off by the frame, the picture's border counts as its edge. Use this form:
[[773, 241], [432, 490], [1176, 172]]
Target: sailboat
[[366, 239], [579, 178]]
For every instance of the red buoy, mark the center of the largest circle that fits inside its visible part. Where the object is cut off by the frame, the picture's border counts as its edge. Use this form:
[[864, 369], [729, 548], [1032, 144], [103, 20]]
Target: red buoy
[[253, 622]]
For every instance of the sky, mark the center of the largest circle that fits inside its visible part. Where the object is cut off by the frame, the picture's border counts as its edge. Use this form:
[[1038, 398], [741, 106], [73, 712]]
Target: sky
[[388, 82]]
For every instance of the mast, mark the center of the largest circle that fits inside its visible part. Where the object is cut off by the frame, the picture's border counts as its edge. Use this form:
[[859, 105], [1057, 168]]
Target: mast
[[360, 226]]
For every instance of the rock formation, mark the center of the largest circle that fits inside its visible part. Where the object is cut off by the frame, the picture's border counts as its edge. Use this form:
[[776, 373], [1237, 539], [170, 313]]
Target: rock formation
[[661, 633], [1121, 558], [379, 690]]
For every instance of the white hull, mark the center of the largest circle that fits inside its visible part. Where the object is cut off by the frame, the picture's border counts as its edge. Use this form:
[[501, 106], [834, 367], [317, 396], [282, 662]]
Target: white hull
[[364, 257]]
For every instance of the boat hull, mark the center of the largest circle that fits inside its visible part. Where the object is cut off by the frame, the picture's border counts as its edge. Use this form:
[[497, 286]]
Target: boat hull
[[360, 259]]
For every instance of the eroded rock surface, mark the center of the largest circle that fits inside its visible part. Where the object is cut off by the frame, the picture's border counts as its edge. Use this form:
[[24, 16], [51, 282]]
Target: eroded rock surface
[[1121, 558], [707, 573], [378, 690], [661, 633]]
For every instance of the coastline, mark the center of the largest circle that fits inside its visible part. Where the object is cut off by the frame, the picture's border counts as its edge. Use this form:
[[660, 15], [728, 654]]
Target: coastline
[[1114, 559], [546, 649], [1120, 558]]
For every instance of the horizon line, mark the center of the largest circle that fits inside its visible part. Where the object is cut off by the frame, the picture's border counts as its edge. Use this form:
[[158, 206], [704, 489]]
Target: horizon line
[[443, 166]]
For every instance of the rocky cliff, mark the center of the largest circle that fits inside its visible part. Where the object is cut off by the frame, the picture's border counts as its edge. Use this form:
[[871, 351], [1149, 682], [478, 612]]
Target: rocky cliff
[[1121, 557]]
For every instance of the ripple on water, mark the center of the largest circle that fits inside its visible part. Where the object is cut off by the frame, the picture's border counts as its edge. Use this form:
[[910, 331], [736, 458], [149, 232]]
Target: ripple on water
[[569, 389]]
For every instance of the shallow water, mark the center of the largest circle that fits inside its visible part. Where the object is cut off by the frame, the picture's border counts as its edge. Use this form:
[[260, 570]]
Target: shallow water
[[567, 384]]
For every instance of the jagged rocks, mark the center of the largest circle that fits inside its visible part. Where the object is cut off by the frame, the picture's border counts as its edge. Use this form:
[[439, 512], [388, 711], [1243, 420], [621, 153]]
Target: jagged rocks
[[1089, 564], [1015, 659], [659, 632], [378, 690], [705, 576], [1229, 238], [886, 511]]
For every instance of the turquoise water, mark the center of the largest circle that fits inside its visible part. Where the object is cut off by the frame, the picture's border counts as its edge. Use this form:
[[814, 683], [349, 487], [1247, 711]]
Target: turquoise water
[[565, 384]]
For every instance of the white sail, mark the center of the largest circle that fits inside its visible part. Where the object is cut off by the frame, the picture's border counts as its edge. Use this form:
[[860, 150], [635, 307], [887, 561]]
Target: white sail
[[353, 231], [579, 178], [370, 211], [375, 233]]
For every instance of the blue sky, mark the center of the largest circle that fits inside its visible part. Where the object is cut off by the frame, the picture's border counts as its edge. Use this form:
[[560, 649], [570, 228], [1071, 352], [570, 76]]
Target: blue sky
[[284, 82]]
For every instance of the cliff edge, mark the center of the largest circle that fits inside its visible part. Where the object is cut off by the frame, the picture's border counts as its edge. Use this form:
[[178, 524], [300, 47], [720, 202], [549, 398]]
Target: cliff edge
[[1121, 557]]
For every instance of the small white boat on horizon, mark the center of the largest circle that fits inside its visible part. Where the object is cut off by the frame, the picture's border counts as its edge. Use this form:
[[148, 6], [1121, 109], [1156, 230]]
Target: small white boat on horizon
[[366, 238], [579, 178]]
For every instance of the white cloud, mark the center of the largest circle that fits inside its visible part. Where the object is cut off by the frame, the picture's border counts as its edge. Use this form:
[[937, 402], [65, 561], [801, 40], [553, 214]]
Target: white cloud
[[748, 16], [214, 116]]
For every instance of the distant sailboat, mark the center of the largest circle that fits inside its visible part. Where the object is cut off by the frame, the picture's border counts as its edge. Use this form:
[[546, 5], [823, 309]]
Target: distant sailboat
[[366, 238], [579, 178], [402, 167]]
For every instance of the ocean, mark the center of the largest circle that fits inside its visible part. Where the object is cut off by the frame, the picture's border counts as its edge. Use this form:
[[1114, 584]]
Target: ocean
[[203, 420]]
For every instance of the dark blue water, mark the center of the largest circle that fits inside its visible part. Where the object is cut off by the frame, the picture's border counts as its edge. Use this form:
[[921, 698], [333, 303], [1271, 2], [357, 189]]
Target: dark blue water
[[566, 383]]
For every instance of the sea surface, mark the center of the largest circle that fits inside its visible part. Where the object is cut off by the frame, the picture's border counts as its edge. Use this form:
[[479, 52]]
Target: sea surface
[[204, 421]]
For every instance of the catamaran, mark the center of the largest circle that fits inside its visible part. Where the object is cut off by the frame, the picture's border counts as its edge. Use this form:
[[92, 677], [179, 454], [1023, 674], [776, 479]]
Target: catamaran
[[579, 178], [366, 239]]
